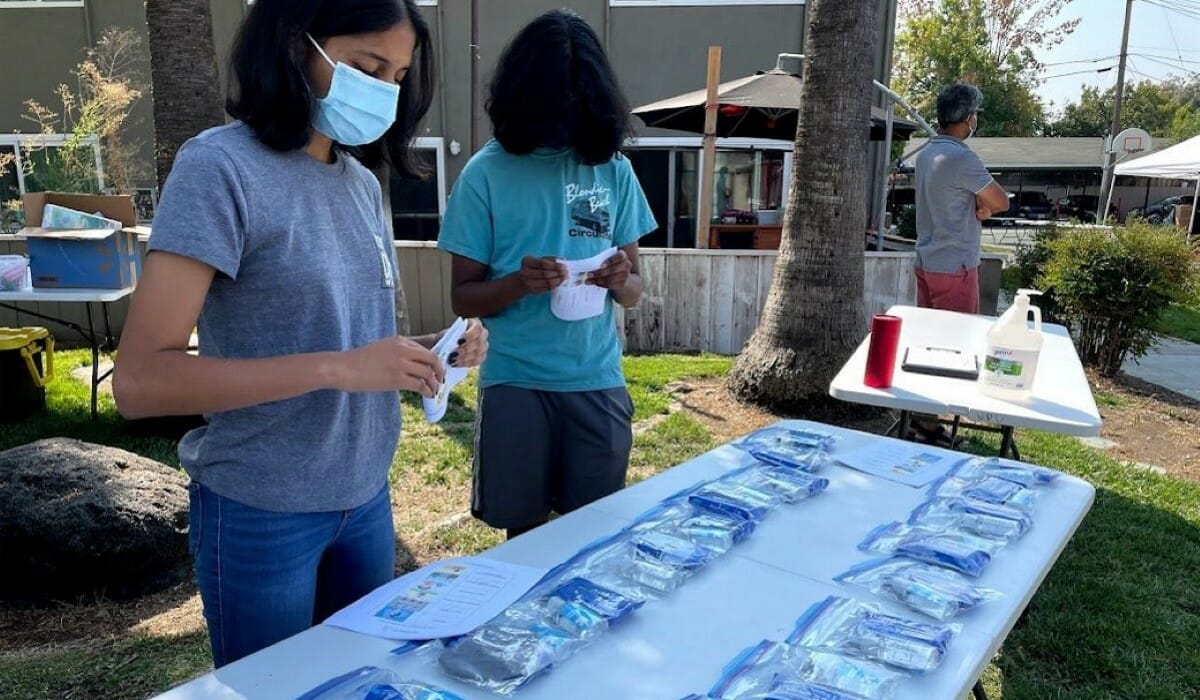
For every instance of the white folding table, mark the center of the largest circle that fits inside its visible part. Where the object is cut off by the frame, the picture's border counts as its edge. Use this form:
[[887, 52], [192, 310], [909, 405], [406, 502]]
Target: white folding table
[[1061, 401], [678, 646], [87, 297]]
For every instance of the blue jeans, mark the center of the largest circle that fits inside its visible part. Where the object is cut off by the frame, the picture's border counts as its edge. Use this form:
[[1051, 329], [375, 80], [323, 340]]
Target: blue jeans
[[265, 576]]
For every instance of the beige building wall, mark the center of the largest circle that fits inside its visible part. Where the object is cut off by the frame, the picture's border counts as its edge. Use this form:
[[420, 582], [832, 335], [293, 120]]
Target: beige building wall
[[657, 46]]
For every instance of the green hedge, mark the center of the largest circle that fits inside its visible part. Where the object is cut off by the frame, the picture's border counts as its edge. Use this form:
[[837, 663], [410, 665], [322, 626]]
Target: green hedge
[[1110, 289]]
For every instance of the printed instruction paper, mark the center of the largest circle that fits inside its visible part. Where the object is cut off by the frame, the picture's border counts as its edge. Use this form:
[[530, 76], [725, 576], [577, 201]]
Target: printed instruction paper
[[444, 599], [908, 463], [435, 408], [575, 299]]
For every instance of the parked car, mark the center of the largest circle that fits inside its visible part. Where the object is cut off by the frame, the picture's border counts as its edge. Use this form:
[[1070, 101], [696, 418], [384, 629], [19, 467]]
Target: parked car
[[1160, 211], [1032, 205], [1078, 207]]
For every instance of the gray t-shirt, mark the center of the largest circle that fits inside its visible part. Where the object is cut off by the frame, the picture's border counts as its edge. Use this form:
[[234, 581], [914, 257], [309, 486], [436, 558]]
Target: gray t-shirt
[[948, 176], [303, 265]]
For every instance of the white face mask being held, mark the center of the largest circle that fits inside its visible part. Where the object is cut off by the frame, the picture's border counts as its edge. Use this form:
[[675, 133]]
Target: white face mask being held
[[358, 109]]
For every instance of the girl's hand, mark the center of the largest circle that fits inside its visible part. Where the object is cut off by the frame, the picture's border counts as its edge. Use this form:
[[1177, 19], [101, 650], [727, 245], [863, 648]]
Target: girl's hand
[[614, 273], [391, 364], [472, 347], [540, 275]]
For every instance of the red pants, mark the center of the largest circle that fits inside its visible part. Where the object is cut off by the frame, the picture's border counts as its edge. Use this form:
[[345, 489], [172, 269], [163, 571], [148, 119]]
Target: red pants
[[949, 291]]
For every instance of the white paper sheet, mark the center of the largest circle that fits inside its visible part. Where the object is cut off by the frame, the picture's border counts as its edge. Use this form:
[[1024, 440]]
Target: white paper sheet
[[444, 599], [908, 463], [946, 358], [575, 299], [435, 408]]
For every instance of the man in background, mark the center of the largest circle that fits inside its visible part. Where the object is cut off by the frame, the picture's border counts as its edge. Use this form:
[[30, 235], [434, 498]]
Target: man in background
[[955, 193]]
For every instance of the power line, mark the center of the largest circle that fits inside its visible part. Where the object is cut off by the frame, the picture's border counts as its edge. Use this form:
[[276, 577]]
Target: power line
[[1078, 72], [1173, 66], [1163, 48], [1081, 60], [1174, 41], [1192, 11]]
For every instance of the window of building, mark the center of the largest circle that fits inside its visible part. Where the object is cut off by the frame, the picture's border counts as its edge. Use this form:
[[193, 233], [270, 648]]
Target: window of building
[[418, 205], [35, 165], [9, 4], [698, 3], [747, 181], [749, 175]]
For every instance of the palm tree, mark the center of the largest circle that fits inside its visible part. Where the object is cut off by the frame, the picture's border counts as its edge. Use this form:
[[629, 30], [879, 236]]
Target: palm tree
[[183, 74], [813, 317]]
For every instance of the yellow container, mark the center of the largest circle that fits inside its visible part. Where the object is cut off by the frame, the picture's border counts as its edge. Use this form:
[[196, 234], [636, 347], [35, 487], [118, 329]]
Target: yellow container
[[26, 366]]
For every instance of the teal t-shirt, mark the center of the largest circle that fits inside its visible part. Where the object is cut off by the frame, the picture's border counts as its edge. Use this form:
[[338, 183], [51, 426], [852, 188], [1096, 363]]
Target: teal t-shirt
[[505, 207]]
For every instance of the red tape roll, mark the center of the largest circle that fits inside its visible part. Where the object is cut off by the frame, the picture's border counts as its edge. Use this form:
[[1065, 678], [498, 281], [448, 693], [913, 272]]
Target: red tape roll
[[881, 351]]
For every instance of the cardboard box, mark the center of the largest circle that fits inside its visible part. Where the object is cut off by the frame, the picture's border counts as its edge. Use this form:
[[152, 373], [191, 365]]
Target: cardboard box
[[83, 259]]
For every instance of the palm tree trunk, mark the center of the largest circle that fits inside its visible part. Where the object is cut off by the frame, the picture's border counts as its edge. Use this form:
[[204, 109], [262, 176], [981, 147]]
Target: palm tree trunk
[[813, 317], [183, 73]]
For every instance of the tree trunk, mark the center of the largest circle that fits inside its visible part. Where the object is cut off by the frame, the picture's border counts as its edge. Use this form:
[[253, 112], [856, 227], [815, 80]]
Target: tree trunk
[[813, 317], [183, 73]]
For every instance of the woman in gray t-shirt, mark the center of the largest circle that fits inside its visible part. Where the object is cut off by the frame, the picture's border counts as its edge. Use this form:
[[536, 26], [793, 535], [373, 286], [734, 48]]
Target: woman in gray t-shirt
[[271, 239]]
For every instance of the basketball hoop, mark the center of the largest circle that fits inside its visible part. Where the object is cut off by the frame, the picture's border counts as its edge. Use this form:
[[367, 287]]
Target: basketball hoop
[[1131, 141]]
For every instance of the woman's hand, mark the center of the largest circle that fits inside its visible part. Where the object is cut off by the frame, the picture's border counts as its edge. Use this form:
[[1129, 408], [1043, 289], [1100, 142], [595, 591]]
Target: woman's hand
[[391, 364], [472, 347]]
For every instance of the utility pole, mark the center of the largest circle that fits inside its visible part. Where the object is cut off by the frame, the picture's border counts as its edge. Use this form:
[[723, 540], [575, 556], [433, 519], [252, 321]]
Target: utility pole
[[1107, 179]]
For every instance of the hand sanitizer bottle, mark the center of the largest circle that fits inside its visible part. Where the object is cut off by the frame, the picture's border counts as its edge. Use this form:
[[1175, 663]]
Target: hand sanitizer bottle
[[1010, 363]]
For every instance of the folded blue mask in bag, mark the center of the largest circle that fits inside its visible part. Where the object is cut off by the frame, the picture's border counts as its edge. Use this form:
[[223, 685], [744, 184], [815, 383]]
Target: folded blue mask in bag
[[848, 627], [374, 683], [954, 550]]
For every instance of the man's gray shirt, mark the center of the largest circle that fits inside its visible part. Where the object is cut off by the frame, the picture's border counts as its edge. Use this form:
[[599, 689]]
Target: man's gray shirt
[[948, 176]]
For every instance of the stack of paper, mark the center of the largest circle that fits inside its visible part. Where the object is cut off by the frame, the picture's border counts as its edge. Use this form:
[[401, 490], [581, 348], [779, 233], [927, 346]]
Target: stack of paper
[[56, 217]]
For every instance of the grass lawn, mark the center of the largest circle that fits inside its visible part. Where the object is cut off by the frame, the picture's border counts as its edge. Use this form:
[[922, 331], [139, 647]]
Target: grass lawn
[[1116, 618], [1182, 322]]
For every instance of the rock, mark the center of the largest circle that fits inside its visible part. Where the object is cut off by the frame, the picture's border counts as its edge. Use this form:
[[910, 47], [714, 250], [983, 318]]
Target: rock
[[679, 388], [1148, 467], [1098, 443], [78, 518]]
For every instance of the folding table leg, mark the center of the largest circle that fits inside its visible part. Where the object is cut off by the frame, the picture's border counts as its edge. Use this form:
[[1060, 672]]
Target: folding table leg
[[903, 424], [108, 336], [1008, 444], [92, 341]]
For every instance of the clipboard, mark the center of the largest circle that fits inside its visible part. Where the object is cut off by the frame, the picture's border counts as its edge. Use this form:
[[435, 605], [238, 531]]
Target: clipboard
[[955, 363]]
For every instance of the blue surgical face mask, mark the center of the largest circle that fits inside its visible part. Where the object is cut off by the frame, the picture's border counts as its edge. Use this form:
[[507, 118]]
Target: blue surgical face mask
[[358, 109]]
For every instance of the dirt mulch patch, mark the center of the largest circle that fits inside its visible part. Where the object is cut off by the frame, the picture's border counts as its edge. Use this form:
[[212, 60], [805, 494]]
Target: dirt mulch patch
[[709, 402], [1150, 424]]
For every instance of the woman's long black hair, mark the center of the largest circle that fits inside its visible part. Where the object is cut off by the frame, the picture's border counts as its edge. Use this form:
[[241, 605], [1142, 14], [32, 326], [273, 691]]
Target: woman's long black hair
[[268, 76], [554, 87]]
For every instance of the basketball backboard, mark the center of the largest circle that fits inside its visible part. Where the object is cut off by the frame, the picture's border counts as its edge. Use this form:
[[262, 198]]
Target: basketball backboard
[[1132, 141]]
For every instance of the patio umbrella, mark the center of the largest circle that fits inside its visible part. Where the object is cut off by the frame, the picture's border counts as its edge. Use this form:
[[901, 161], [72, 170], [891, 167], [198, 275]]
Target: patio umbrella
[[764, 105]]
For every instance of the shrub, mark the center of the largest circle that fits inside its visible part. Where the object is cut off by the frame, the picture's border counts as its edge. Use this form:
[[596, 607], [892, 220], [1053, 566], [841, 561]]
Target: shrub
[[1111, 288], [1028, 269], [906, 223], [97, 106]]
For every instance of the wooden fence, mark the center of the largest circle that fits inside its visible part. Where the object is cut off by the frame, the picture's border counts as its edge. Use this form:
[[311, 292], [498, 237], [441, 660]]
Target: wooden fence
[[695, 300]]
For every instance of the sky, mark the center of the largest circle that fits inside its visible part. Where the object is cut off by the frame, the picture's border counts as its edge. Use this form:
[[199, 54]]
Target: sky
[[1162, 42]]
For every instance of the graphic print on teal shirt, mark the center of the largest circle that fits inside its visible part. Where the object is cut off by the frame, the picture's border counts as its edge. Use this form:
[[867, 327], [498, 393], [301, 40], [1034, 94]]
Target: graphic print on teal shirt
[[505, 207]]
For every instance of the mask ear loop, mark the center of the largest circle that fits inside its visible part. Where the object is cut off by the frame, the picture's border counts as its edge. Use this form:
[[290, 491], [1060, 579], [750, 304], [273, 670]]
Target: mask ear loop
[[320, 50]]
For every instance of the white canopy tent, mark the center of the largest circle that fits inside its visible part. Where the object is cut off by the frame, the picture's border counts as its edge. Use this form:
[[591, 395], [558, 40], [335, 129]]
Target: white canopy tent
[[1179, 162]]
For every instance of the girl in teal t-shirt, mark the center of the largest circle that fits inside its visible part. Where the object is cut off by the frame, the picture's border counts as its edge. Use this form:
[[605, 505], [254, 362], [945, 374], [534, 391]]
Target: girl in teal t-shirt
[[554, 430]]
